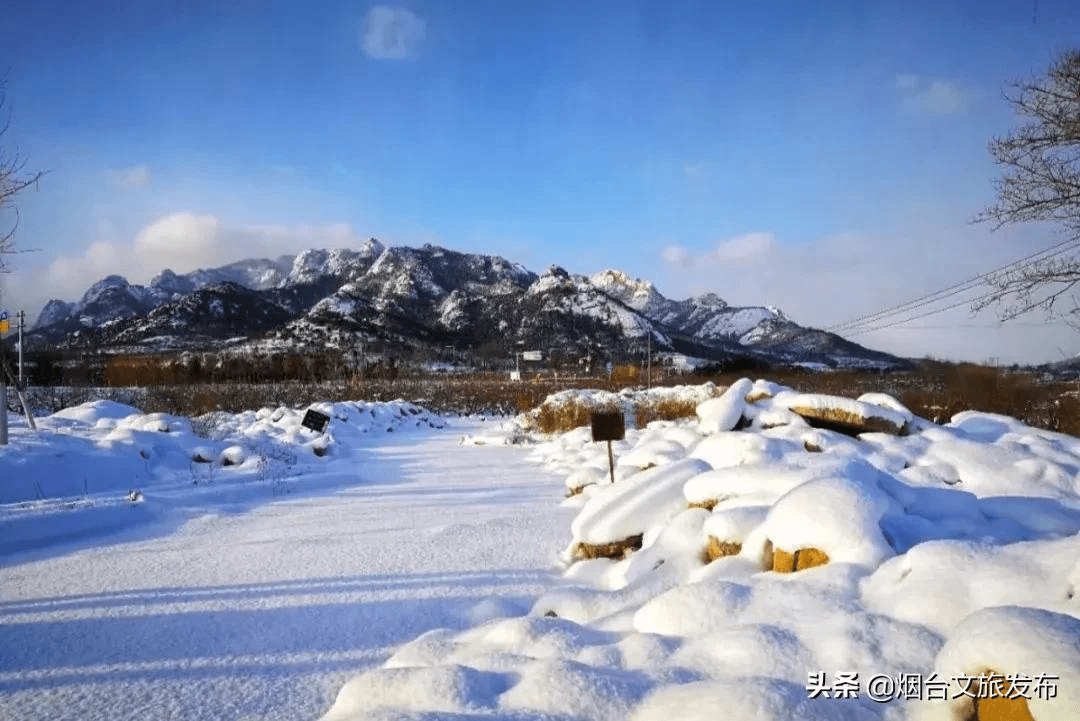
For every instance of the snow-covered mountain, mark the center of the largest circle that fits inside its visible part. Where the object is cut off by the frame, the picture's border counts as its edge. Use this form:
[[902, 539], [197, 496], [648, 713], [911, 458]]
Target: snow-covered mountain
[[409, 300]]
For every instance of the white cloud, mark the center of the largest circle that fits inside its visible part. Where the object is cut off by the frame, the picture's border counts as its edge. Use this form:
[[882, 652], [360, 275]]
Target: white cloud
[[931, 96], [739, 251], [137, 176], [180, 241], [184, 239], [745, 249], [391, 33], [677, 256], [838, 278]]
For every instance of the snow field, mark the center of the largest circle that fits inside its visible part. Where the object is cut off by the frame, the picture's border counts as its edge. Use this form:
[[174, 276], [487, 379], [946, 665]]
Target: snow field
[[236, 602], [73, 476], [951, 550], [747, 564]]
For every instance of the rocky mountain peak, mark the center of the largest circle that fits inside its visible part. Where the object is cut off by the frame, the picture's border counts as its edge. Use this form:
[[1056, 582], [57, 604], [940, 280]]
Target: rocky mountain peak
[[371, 248], [103, 286], [429, 298], [169, 282], [709, 300]]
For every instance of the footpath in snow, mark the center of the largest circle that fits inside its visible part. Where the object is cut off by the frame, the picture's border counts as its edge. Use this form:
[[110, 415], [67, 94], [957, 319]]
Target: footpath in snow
[[250, 596]]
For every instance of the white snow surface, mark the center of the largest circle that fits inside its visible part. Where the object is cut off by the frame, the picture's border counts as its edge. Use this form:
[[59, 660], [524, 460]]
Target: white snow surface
[[931, 557], [413, 575], [259, 591]]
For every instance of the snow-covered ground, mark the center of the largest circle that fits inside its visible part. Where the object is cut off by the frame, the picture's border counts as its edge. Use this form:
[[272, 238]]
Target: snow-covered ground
[[748, 563], [255, 596]]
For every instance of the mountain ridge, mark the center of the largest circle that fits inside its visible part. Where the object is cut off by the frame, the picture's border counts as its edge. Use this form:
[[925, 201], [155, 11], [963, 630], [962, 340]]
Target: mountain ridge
[[416, 301]]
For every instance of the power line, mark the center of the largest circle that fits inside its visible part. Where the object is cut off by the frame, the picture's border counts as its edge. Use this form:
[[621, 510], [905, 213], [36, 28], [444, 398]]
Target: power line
[[872, 319], [934, 311], [1012, 324], [958, 287]]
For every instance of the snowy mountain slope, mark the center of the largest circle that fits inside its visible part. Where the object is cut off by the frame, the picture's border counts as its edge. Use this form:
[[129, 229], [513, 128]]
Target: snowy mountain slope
[[222, 310], [432, 298]]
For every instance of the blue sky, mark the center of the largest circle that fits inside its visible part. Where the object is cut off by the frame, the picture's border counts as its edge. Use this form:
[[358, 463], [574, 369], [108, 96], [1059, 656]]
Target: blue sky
[[824, 157]]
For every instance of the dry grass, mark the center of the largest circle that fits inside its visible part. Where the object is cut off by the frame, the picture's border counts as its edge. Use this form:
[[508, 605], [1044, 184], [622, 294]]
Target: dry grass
[[566, 416], [718, 549], [936, 390], [1002, 702], [949, 389], [800, 560], [574, 413], [845, 422], [615, 549], [665, 409], [625, 375]]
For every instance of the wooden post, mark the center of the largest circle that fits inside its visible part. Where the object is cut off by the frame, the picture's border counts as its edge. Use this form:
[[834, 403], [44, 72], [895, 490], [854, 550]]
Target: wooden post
[[5, 376], [3, 412], [608, 427]]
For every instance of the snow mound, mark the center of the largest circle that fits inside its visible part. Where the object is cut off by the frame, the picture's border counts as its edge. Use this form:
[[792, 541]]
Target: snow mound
[[97, 454], [858, 416], [1018, 645], [778, 555], [447, 690], [635, 505]]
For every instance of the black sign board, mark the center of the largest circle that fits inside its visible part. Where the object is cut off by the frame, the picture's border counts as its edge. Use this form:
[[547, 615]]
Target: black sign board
[[608, 426], [315, 421]]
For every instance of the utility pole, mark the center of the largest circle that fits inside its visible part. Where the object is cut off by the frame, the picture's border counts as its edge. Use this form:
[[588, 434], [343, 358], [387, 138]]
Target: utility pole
[[3, 396], [6, 376], [649, 366], [3, 412], [22, 322]]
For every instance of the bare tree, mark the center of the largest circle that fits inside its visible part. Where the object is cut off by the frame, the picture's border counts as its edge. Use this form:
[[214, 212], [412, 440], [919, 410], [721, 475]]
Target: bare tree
[[13, 180], [1041, 182]]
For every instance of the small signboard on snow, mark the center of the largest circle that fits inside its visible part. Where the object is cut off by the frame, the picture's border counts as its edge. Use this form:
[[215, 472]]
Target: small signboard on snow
[[315, 420], [608, 426], [532, 355]]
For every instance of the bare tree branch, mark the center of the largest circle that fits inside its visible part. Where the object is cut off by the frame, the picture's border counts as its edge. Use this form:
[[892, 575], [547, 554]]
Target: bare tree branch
[[13, 180], [1040, 183]]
